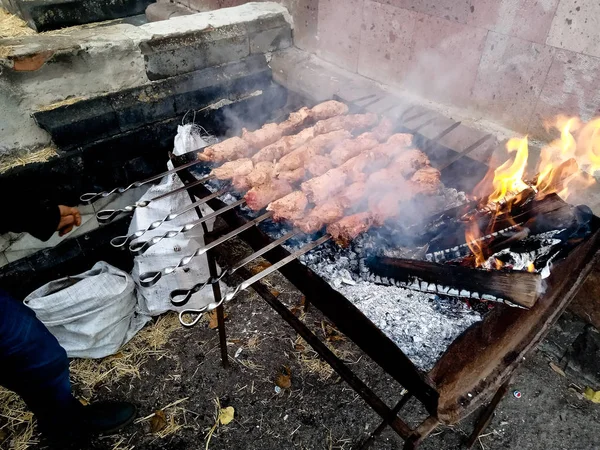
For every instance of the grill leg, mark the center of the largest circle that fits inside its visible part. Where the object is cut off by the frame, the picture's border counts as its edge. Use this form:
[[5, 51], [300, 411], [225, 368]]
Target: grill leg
[[487, 414], [403, 401], [421, 433], [212, 269]]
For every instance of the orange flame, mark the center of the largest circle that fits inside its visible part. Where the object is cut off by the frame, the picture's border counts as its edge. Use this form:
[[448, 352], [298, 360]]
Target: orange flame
[[531, 267], [508, 178], [473, 235], [558, 172], [499, 264]]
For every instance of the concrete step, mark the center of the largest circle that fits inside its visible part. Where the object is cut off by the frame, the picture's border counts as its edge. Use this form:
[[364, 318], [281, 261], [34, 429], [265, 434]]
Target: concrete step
[[45, 15]]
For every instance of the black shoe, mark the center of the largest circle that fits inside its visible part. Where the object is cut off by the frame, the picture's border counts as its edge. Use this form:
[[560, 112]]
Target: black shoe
[[107, 417]]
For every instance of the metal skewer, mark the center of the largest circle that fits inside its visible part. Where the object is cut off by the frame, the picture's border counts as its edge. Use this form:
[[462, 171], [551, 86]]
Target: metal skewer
[[250, 281], [138, 248], [151, 278], [107, 215], [93, 196], [122, 241], [181, 297]]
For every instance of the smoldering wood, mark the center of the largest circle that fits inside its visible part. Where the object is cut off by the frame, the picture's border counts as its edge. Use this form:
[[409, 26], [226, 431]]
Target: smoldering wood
[[522, 288]]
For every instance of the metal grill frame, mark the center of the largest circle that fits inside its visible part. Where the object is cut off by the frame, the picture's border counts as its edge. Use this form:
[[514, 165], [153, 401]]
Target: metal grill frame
[[371, 340]]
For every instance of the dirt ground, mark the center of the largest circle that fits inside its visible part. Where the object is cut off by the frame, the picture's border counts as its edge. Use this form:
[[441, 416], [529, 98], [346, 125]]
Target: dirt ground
[[318, 410]]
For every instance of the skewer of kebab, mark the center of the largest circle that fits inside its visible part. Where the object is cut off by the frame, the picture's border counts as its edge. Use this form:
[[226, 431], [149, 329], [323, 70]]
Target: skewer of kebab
[[350, 199], [257, 198], [235, 147], [150, 278], [303, 157], [252, 141]]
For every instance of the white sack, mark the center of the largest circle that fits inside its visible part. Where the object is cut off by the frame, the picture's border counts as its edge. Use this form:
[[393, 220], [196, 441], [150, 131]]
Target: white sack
[[155, 300], [92, 314]]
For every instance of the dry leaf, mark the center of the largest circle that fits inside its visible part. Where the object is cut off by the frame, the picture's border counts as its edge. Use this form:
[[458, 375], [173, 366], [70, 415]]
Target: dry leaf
[[284, 378], [226, 415], [275, 293], [557, 369], [259, 267], [299, 347], [213, 320], [158, 422]]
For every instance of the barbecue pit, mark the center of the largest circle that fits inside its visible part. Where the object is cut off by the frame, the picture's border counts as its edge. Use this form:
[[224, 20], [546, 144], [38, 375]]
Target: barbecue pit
[[484, 347]]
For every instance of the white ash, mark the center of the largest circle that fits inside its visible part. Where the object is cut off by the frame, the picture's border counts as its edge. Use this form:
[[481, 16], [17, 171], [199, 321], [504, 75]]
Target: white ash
[[545, 247], [421, 325]]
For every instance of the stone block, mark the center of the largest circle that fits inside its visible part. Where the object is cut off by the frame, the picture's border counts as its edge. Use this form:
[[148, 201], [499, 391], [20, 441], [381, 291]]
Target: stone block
[[444, 60], [510, 79], [164, 11], [575, 27], [455, 11], [272, 39], [198, 41], [139, 106], [44, 15], [386, 42], [79, 123], [339, 32], [526, 19], [571, 89], [175, 55], [306, 22]]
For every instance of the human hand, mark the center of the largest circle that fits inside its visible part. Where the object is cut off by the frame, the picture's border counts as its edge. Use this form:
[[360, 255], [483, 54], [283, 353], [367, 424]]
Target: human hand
[[69, 218]]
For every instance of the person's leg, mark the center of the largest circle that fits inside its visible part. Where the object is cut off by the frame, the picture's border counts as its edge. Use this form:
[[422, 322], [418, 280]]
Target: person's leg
[[35, 366]]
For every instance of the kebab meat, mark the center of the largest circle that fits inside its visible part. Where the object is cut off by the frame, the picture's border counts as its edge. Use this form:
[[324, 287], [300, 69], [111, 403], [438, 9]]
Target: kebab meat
[[251, 141]]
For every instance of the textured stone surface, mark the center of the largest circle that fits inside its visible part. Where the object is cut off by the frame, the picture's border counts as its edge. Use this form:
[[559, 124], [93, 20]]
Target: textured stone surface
[[386, 42], [306, 21], [453, 10], [526, 19], [339, 32], [571, 88], [575, 26], [510, 78], [444, 60]]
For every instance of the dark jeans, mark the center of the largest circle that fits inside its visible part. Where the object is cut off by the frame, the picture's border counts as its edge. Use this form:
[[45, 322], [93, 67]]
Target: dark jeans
[[35, 366]]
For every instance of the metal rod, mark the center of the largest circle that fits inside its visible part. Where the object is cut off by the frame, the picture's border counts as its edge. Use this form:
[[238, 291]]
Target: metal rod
[[386, 421], [122, 241], [442, 134], [181, 297], [138, 248], [212, 270], [91, 197], [465, 152], [107, 215], [259, 276], [150, 278], [416, 116]]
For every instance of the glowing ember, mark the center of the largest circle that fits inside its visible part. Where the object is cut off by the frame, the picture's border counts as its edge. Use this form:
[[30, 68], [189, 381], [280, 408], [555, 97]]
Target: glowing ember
[[531, 267]]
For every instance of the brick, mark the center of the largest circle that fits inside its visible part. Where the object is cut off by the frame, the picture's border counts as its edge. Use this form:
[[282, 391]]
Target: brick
[[339, 32], [571, 89], [575, 27], [453, 10], [444, 60], [510, 78], [386, 42], [526, 19]]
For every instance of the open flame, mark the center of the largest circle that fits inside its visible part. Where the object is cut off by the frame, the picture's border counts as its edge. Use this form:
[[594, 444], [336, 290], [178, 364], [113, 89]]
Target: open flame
[[559, 171]]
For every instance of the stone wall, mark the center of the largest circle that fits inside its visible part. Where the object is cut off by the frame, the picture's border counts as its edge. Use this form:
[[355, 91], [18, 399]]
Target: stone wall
[[515, 62], [49, 71]]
